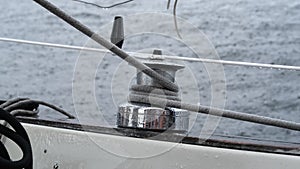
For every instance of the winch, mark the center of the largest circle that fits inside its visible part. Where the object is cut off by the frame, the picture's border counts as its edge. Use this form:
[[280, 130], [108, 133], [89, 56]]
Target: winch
[[141, 115]]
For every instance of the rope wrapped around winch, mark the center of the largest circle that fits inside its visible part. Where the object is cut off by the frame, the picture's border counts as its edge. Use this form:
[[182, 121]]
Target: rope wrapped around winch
[[155, 92]]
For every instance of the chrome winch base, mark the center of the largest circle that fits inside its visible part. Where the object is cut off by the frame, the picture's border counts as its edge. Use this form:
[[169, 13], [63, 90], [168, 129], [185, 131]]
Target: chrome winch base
[[152, 118]]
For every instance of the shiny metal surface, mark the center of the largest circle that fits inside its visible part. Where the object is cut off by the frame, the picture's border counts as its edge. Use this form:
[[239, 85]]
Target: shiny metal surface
[[152, 118], [140, 116]]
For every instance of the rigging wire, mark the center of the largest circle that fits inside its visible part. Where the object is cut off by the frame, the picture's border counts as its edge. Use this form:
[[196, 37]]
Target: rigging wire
[[175, 19], [168, 4], [159, 57], [174, 16], [104, 7]]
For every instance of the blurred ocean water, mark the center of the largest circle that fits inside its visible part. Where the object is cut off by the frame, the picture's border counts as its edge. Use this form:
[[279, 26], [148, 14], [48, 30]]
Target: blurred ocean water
[[241, 30]]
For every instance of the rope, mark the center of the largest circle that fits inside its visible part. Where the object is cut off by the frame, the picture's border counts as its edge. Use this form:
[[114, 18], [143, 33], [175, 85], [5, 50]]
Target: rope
[[27, 107], [157, 57], [153, 100], [145, 90], [20, 137]]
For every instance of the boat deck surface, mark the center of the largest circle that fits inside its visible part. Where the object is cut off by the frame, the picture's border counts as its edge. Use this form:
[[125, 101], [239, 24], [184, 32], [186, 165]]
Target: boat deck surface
[[230, 142]]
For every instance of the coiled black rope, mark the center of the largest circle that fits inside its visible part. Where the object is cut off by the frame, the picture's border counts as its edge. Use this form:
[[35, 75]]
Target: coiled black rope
[[20, 137], [19, 107], [28, 107], [3, 153]]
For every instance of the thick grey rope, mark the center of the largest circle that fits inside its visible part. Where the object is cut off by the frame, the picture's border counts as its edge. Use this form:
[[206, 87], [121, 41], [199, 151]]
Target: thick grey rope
[[164, 82], [108, 45], [156, 101], [145, 90]]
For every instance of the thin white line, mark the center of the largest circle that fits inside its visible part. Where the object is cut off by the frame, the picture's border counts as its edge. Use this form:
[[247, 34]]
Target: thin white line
[[162, 57], [52, 45], [235, 63]]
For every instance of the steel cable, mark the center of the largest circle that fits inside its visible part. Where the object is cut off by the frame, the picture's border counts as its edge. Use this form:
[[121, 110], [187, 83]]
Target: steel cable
[[157, 57]]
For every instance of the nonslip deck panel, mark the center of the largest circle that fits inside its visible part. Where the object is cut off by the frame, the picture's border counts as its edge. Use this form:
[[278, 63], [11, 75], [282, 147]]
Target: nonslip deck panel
[[230, 142]]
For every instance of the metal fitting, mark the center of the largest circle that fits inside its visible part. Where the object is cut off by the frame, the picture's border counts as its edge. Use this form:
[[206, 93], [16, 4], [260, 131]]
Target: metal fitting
[[143, 116], [152, 118]]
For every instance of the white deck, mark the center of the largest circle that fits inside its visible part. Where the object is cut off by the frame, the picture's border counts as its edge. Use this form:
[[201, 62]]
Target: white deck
[[69, 149]]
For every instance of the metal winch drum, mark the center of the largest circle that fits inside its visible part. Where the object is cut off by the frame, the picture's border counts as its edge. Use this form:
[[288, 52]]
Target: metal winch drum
[[144, 116]]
